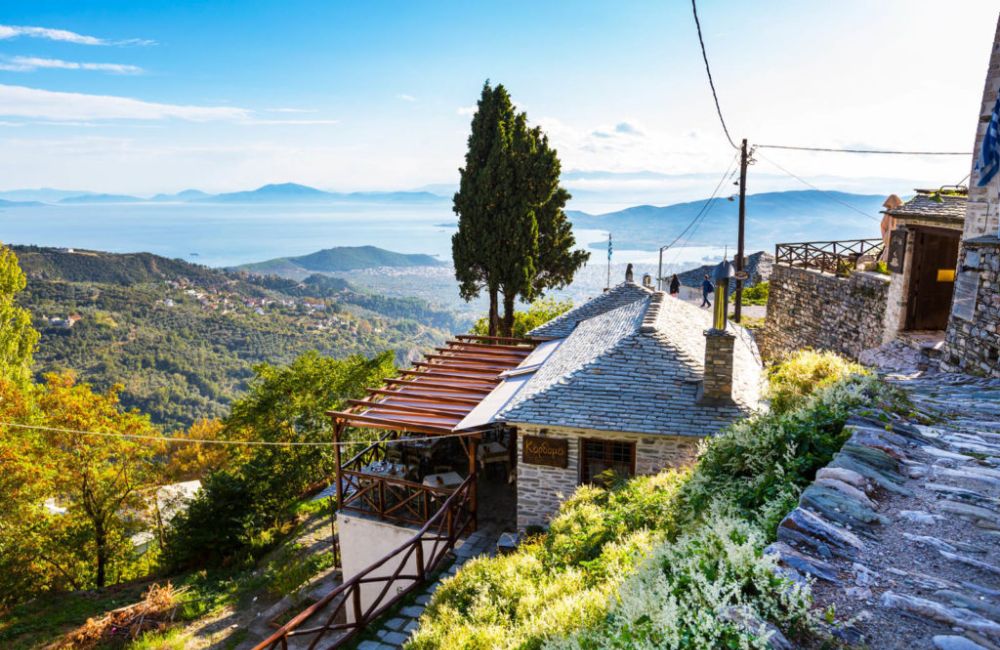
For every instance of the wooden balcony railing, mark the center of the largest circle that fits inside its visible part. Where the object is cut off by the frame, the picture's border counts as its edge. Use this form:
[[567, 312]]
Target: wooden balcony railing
[[390, 498], [340, 615], [838, 257]]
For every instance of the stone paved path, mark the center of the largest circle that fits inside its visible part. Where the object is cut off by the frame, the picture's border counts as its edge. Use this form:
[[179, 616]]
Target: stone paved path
[[901, 532], [397, 629]]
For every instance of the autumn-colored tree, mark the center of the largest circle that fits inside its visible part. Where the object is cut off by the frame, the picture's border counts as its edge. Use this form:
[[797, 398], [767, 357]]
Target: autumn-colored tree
[[187, 461], [97, 479], [17, 337]]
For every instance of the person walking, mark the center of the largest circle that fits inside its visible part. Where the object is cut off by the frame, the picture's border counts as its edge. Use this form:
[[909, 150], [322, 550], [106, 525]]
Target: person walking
[[706, 290], [675, 286]]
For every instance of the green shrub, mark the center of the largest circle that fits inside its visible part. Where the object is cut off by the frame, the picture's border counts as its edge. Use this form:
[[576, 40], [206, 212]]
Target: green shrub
[[755, 294], [802, 373], [713, 588], [557, 582]]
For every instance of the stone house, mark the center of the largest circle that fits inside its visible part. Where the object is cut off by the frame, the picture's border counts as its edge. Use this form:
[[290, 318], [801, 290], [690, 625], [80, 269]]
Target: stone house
[[972, 342], [630, 382], [922, 253]]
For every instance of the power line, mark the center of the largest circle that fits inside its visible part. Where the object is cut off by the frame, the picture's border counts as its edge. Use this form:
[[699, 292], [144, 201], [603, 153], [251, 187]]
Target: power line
[[889, 152], [705, 205], [822, 191], [694, 231], [207, 441], [711, 83]]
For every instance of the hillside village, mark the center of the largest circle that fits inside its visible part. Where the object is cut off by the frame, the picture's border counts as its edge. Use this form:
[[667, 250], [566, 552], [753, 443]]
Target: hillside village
[[229, 458]]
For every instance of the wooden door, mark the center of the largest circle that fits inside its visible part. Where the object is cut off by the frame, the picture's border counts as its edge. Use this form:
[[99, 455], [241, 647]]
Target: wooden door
[[932, 278]]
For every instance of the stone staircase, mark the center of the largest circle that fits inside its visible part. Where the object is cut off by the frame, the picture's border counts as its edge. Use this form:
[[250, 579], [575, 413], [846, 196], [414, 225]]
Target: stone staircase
[[901, 532]]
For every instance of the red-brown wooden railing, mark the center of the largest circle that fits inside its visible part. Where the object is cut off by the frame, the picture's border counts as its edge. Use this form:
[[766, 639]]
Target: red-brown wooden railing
[[826, 257], [441, 531], [389, 498]]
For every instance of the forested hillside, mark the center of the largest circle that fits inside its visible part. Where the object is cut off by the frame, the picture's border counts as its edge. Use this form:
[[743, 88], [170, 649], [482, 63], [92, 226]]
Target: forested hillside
[[182, 339]]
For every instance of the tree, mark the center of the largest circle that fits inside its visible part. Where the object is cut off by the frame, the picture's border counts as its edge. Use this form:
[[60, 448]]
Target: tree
[[99, 480], [538, 313], [17, 337], [476, 246], [241, 504], [513, 235]]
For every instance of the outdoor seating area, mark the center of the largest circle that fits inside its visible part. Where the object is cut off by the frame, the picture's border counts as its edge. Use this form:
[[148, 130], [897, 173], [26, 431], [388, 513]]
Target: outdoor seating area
[[405, 476]]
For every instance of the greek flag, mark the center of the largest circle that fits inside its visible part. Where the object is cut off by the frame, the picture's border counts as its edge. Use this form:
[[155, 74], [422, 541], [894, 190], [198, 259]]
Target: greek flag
[[989, 155], [609, 247]]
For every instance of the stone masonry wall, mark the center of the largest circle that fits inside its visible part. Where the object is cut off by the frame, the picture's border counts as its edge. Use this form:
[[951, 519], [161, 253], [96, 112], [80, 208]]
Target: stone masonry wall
[[541, 489], [806, 308], [972, 345]]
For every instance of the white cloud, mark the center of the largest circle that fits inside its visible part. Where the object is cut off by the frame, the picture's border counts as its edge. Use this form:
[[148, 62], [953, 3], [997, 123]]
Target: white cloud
[[64, 35], [13, 31], [20, 101], [466, 110], [291, 110], [30, 63], [406, 98], [255, 122]]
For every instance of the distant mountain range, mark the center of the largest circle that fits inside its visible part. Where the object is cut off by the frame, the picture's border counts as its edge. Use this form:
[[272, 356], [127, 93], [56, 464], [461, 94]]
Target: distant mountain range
[[772, 217], [341, 258], [274, 193]]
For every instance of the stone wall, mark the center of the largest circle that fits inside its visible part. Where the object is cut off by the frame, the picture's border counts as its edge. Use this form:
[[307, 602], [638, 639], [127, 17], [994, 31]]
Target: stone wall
[[809, 309], [540, 489], [973, 345]]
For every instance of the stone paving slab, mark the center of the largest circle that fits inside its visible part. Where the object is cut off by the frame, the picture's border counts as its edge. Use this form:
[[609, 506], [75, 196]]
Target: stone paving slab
[[901, 532]]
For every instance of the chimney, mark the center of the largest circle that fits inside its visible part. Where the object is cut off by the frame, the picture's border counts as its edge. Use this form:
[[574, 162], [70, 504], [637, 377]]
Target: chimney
[[717, 387], [628, 273]]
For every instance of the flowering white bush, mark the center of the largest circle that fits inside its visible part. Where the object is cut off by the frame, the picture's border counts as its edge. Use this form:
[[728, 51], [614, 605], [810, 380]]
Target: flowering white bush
[[711, 589]]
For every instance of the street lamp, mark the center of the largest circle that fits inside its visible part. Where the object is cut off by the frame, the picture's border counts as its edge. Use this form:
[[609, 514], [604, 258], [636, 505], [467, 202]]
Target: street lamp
[[720, 276]]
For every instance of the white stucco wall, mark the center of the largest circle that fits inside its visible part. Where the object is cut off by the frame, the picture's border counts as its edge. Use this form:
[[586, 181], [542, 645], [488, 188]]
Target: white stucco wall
[[364, 541]]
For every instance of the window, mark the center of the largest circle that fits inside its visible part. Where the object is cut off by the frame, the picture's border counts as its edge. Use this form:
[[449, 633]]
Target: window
[[600, 456]]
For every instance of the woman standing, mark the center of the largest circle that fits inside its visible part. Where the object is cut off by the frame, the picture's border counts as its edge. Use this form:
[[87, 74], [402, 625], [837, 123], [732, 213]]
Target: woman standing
[[675, 286]]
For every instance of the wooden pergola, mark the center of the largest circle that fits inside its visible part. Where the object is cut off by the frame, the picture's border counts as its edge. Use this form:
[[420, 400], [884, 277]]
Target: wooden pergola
[[430, 399]]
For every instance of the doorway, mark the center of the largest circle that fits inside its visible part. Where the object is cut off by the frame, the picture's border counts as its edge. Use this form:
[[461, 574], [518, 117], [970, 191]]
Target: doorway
[[932, 278]]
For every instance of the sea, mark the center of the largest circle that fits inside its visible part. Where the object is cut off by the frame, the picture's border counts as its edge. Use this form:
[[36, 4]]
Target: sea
[[223, 235]]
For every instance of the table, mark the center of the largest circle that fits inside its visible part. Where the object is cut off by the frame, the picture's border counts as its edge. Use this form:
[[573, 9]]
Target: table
[[385, 469], [443, 480], [492, 452]]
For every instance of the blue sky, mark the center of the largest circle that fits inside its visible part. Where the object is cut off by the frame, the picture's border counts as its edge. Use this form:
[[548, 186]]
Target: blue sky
[[160, 95]]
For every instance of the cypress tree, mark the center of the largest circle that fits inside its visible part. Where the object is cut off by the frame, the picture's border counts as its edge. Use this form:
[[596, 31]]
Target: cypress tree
[[513, 235]]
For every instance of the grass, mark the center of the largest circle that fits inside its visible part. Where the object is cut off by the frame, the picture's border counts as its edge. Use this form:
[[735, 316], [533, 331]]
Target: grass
[[38, 622], [653, 561], [204, 593]]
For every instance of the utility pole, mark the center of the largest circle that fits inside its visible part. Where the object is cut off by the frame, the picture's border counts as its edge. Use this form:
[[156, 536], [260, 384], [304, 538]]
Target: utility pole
[[740, 273]]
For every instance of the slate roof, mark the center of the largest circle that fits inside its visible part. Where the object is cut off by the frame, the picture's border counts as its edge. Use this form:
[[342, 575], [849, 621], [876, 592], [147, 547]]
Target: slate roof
[[635, 368], [562, 325], [924, 204]]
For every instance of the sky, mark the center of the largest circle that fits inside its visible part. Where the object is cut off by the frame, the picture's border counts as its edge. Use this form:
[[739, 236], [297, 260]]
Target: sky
[[164, 95]]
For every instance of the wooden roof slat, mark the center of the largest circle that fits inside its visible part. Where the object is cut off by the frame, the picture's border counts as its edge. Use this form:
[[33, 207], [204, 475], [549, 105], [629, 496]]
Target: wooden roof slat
[[497, 339], [428, 397], [439, 384], [494, 347], [402, 408], [491, 371], [461, 356], [392, 425], [440, 390], [490, 354], [450, 375]]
